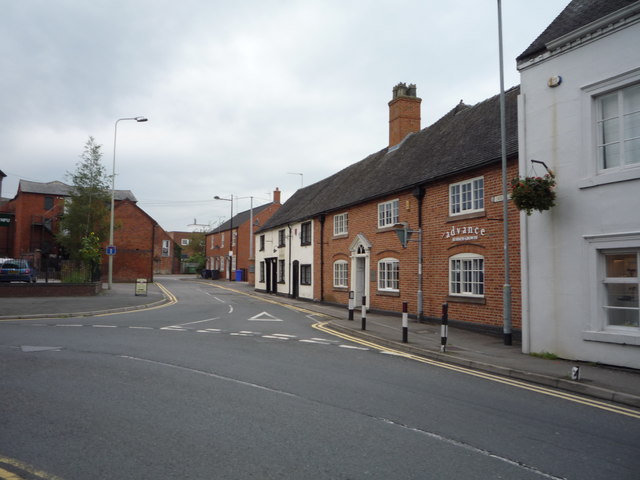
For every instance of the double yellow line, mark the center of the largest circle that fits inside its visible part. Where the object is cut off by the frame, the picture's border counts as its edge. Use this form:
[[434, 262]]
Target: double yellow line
[[324, 327], [18, 466]]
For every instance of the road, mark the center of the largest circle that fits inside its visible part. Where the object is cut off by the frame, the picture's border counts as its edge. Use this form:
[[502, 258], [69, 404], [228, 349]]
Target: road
[[222, 385]]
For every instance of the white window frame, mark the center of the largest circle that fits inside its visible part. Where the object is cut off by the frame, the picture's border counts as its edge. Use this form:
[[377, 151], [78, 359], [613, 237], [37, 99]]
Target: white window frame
[[592, 175], [465, 278], [632, 281], [619, 120], [597, 328], [341, 224], [389, 275], [262, 268], [281, 271], [466, 196], [388, 213], [184, 242], [341, 274]]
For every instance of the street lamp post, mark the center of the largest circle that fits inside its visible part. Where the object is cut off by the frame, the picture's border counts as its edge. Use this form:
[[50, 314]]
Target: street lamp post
[[113, 189], [230, 232]]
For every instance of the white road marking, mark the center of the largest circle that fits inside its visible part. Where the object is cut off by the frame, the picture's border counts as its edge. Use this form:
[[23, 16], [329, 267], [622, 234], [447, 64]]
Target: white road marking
[[275, 337], [264, 317], [353, 347], [197, 321], [68, 325], [103, 326], [142, 328]]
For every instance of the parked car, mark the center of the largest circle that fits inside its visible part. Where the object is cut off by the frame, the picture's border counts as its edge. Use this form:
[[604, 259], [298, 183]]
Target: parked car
[[12, 270]]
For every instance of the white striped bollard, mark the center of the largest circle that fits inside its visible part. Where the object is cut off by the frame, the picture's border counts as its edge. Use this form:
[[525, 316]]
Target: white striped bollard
[[405, 323], [444, 329], [364, 312], [351, 304]]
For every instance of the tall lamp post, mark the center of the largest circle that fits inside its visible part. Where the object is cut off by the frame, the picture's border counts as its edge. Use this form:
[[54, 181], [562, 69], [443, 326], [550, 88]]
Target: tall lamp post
[[111, 247], [230, 232]]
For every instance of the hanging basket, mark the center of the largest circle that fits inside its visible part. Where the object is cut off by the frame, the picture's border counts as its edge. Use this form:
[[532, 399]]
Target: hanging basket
[[533, 193]]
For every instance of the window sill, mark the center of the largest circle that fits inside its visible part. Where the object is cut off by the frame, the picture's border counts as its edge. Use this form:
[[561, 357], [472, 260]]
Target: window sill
[[604, 178], [340, 235], [466, 216], [305, 284], [621, 338], [463, 299], [305, 244], [340, 289], [388, 293]]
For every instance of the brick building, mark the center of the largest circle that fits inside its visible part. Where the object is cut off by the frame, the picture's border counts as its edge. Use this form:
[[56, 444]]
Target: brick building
[[143, 247], [339, 235], [228, 247]]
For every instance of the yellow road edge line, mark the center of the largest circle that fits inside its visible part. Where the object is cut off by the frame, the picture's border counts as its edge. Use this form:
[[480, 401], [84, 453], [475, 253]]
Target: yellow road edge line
[[465, 370], [485, 375], [7, 475], [27, 468]]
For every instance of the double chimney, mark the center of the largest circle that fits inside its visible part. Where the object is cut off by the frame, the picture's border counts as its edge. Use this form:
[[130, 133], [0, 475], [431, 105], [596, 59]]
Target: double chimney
[[404, 113]]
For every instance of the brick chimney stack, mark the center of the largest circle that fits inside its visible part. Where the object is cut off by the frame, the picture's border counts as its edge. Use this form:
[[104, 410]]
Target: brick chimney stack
[[276, 195], [404, 113]]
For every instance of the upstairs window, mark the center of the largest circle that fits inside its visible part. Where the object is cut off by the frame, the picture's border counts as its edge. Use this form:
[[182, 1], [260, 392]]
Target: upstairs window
[[262, 243], [388, 213], [340, 224], [305, 233], [618, 128], [467, 196], [281, 238], [48, 203], [184, 242]]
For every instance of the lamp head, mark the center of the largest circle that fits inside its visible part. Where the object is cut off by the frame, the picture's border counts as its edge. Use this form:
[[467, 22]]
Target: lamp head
[[141, 119]]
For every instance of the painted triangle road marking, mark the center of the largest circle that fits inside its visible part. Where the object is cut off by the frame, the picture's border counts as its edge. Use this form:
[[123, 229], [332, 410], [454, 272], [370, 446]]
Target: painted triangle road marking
[[264, 317]]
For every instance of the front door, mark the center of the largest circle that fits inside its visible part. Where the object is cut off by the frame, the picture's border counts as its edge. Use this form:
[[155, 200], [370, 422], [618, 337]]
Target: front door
[[295, 279], [359, 280], [271, 274]]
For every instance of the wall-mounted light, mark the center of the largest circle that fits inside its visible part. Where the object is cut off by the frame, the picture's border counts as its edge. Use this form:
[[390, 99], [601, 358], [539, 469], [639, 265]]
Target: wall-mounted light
[[554, 81]]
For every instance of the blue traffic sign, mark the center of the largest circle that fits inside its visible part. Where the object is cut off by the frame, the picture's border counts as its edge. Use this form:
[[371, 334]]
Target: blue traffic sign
[[111, 250]]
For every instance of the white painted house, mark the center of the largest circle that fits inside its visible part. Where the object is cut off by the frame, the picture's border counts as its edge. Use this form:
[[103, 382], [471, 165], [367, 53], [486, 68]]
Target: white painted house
[[579, 113], [284, 259]]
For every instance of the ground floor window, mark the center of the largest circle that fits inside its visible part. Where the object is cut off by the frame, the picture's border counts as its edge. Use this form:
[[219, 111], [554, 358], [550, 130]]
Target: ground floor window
[[340, 274], [305, 274], [621, 282], [261, 272], [389, 274], [280, 271], [466, 275]]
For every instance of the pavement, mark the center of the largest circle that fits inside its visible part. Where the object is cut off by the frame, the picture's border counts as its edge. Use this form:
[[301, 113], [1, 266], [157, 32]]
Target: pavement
[[478, 351]]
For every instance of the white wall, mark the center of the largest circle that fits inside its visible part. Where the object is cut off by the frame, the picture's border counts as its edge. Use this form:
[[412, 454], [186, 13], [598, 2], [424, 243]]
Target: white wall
[[561, 308]]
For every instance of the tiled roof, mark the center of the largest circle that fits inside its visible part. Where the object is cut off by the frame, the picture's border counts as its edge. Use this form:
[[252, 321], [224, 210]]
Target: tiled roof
[[239, 219], [577, 14], [465, 138], [62, 189]]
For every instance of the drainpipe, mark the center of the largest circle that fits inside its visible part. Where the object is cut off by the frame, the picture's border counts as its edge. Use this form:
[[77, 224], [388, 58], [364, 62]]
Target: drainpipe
[[322, 219], [419, 193], [289, 262]]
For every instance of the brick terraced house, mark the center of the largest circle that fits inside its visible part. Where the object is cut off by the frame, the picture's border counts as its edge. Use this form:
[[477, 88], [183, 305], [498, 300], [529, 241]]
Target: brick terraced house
[[143, 247], [338, 236]]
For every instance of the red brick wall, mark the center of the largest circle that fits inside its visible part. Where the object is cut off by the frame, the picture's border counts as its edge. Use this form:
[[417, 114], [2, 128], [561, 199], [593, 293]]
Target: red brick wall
[[135, 244], [437, 249]]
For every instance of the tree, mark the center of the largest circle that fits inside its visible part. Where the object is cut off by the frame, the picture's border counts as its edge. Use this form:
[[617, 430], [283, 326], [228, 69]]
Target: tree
[[86, 215]]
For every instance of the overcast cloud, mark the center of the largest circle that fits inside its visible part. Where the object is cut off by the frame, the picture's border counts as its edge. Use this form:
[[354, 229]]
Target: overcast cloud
[[238, 94]]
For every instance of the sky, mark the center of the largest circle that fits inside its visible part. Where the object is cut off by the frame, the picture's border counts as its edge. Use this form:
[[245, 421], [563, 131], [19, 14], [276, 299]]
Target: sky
[[242, 97]]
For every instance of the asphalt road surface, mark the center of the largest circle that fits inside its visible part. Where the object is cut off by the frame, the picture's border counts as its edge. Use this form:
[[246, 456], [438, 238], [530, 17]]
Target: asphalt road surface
[[227, 386]]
